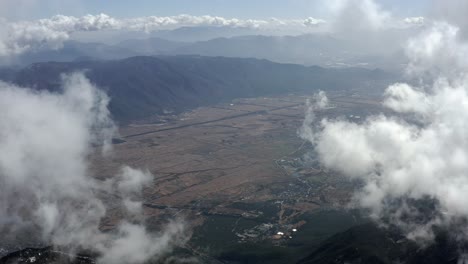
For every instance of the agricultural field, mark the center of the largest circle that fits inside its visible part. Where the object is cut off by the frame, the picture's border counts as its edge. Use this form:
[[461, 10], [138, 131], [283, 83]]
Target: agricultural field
[[238, 174]]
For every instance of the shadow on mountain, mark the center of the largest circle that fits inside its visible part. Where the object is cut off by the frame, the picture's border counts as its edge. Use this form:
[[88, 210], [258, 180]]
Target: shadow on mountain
[[369, 244]]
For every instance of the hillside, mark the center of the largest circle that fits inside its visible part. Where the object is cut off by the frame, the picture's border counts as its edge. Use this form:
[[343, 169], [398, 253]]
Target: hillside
[[369, 244], [75, 51], [307, 49], [143, 86]]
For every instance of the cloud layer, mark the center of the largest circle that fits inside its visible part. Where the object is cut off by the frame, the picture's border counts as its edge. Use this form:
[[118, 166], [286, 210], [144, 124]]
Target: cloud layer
[[453, 12], [405, 166], [347, 19], [19, 37], [352, 16], [47, 194]]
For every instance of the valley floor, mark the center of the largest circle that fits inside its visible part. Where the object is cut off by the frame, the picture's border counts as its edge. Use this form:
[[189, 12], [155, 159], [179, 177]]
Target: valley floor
[[239, 175]]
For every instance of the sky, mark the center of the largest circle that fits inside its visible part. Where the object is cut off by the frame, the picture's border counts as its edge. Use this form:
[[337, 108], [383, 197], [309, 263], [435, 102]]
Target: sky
[[244, 9]]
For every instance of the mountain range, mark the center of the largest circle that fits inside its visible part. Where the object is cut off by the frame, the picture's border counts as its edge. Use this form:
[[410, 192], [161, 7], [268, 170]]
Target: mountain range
[[308, 49], [369, 244], [143, 86]]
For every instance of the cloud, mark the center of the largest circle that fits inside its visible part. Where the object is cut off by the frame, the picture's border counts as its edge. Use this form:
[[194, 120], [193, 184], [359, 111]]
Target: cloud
[[414, 20], [132, 180], [367, 28], [129, 183], [438, 51], [362, 21], [453, 12], [404, 166], [361, 15], [47, 194], [312, 22], [22, 36], [366, 17], [135, 245]]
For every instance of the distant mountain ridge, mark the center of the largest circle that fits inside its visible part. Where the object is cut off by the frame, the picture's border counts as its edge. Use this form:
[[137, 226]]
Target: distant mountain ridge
[[202, 33], [307, 49], [74, 50], [144, 86], [151, 46]]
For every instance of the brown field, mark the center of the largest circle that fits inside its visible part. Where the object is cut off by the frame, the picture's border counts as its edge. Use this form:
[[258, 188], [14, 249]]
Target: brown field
[[246, 151]]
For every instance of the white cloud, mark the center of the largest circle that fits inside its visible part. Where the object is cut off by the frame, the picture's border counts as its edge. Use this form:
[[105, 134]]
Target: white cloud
[[404, 98], [132, 180], [414, 20], [129, 183], [400, 162], [438, 50], [453, 12], [312, 22], [360, 15], [18, 37], [133, 207], [367, 28], [135, 245], [46, 191]]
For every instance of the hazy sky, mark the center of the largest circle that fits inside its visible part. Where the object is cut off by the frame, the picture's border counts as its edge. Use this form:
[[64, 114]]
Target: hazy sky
[[32, 9]]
